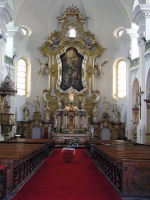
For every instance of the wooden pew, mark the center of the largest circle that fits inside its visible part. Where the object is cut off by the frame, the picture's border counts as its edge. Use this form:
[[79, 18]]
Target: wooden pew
[[21, 160], [2, 181], [49, 143], [126, 167], [89, 144]]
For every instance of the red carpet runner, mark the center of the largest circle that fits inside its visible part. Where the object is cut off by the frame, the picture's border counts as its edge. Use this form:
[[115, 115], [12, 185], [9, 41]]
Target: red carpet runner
[[59, 180]]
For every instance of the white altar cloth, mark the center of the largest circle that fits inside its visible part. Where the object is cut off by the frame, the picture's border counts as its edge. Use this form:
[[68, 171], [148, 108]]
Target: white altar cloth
[[69, 149]]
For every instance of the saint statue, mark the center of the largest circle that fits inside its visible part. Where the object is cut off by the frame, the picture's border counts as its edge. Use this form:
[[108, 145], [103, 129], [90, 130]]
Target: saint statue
[[2, 103], [106, 105], [46, 113], [95, 112], [83, 103], [71, 94], [36, 104], [26, 111], [59, 103], [117, 113]]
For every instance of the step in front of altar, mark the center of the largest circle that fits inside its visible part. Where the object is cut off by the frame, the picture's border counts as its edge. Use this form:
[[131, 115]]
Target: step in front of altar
[[61, 137]]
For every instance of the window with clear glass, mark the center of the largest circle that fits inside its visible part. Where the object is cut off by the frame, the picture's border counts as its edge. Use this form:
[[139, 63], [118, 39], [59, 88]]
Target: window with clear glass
[[21, 77], [121, 79], [72, 33]]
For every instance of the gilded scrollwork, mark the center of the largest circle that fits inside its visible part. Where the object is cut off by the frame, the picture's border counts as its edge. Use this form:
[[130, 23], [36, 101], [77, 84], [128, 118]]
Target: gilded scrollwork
[[98, 96]]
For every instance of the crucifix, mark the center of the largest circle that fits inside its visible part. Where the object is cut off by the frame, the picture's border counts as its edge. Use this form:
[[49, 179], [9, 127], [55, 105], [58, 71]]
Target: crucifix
[[139, 100]]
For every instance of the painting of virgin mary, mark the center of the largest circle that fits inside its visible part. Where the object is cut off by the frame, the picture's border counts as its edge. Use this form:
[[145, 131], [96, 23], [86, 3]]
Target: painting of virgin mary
[[71, 69]]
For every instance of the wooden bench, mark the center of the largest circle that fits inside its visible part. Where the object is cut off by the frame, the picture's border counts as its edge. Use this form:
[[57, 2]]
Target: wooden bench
[[89, 144], [21, 161], [2, 181], [126, 167], [49, 143]]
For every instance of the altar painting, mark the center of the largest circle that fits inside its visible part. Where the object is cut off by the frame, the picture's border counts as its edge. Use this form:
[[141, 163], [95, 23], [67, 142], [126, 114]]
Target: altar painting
[[71, 70]]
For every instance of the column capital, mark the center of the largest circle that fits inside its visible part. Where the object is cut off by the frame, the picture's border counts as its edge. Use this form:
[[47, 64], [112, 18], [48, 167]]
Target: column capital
[[6, 16], [16, 34], [141, 41], [127, 36], [139, 15]]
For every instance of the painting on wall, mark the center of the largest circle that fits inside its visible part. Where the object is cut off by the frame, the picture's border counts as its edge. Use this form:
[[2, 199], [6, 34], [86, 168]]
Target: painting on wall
[[71, 70]]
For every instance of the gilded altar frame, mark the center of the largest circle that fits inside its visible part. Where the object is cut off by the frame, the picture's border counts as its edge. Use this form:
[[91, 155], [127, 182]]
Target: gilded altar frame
[[85, 44]]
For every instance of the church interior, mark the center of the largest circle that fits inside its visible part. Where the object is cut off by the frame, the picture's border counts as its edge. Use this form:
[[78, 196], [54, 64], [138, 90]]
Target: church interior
[[75, 75]]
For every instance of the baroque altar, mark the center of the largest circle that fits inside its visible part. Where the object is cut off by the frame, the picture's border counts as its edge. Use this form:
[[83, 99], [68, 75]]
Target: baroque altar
[[71, 67]]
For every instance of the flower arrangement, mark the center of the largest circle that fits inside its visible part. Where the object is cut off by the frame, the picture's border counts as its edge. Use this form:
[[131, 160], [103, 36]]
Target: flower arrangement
[[74, 141]]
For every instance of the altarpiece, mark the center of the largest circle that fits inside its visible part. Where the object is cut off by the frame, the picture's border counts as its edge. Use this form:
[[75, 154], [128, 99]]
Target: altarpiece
[[71, 95]]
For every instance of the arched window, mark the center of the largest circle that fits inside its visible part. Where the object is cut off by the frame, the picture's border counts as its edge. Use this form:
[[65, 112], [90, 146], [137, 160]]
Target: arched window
[[119, 79], [22, 77]]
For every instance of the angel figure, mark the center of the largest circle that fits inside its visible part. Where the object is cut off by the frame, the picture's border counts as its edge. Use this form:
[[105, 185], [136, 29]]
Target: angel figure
[[44, 66], [100, 69]]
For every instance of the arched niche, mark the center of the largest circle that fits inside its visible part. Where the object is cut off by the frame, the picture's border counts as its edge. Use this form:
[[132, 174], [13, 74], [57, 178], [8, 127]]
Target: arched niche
[[148, 83], [135, 91]]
